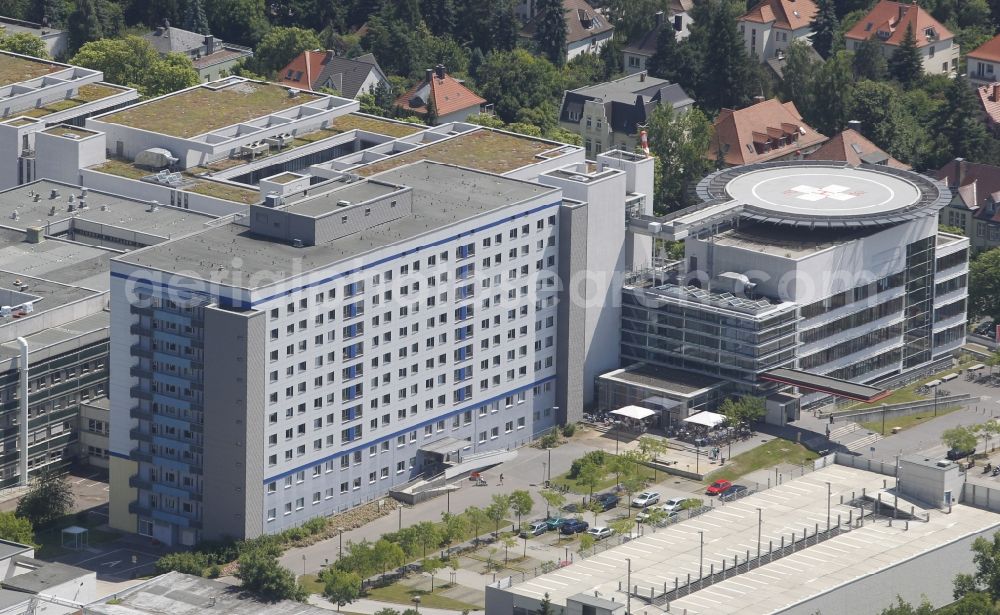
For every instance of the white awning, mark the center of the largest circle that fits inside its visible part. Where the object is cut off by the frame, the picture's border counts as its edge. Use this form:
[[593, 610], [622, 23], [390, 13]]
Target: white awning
[[708, 419], [976, 367], [634, 412], [933, 383]]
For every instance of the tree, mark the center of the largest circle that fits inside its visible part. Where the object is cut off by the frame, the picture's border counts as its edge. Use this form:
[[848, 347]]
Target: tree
[[869, 62], [25, 44], [453, 527], [986, 430], [545, 605], [824, 27], [959, 438], [516, 80], [553, 499], [550, 30], [665, 63], [883, 119], [679, 142], [16, 529], [730, 77], [430, 566], [134, 62], [48, 498], [904, 608], [238, 21], [621, 526], [340, 587], [832, 92], [984, 285], [85, 24], [261, 574], [504, 25], [799, 75], [521, 503], [439, 15], [387, 555], [477, 518], [280, 46], [743, 411], [960, 124], [905, 65], [498, 509], [360, 558], [986, 557], [590, 476], [428, 535], [194, 17], [651, 447]]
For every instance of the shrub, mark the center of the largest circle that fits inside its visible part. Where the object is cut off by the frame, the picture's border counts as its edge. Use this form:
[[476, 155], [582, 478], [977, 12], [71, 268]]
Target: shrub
[[549, 440], [569, 429], [597, 458]]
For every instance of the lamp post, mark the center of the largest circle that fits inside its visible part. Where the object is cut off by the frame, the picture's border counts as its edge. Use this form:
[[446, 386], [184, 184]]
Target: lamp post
[[760, 522], [303, 563], [447, 492], [701, 554], [548, 477], [340, 535], [400, 509], [829, 493], [628, 590], [935, 400], [416, 603]]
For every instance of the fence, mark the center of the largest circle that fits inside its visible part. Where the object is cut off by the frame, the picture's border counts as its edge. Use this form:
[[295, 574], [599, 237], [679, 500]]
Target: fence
[[903, 409], [980, 496], [868, 464]]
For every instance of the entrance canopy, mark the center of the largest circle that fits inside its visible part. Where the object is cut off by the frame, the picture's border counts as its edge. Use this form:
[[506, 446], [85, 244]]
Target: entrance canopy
[[708, 419], [633, 412], [826, 384]]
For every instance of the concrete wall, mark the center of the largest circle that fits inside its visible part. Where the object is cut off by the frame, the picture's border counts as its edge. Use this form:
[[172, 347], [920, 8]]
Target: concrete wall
[[234, 423], [572, 350], [119, 441], [60, 158]]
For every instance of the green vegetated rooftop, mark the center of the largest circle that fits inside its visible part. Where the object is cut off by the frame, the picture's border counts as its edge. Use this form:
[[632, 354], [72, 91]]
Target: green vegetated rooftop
[[353, 121], [199, 110], [14, 69], [62, 130], [86, 94], [485, 150]]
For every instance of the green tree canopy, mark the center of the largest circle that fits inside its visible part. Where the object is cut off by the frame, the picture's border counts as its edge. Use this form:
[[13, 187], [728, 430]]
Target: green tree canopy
[[498, 509], [883, 118], [280, 46], [16, 529], [869, 62], [261, 574], [960, 125], [906, 65], [521, 503], [730, 78], [516, 80], [238, 21], [550, 30], [339, 586], [825, 26], [134, 62], [679, 142], [195, 19], [984, 285], [24, 43], [960, 438], [666, 62], [49, 497]]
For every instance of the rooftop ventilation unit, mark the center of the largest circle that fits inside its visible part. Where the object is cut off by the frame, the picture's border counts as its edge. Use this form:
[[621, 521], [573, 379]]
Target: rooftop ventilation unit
[[343, 203], [54, 194], [272, 200], [297, 243]]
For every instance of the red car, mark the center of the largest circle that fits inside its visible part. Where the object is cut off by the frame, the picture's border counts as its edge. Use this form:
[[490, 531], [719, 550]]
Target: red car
[[718, 487]]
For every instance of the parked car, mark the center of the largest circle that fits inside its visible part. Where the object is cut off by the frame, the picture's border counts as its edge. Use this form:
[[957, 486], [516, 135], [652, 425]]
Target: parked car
[[607, 500], [600, 533], [734, 491], [718, 487], [646, 513], [956, 454], [574, 526], [534, 529], [985, 328], [646, 498], [674, 504], [555, 523]]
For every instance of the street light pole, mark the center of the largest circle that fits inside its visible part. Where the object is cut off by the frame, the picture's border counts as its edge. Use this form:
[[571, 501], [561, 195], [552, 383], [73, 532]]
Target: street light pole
[[760, 522], [935, 400], [400, 509], [701, 554], [829, 494], [448, 493], [548, 477], [628, 590], [340, 531]]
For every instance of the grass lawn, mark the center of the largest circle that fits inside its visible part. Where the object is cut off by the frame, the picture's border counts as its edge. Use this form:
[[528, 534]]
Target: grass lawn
[[311, 583], [225, 191], [905, 422], [86, 93], [605, 483], [399, 593], [908, 393], [114, 166], [50, 538], [775, 452], [353, 121], [13, 70]]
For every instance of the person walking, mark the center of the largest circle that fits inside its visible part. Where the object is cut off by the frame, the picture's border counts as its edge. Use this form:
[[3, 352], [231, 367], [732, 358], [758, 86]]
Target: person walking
[[501, 480]]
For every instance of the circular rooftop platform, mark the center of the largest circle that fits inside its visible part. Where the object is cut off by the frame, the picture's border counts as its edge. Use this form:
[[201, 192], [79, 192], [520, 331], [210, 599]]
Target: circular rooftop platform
[[825, 194]]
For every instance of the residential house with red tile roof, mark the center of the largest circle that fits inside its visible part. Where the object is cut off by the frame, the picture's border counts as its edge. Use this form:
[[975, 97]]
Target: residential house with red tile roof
[[984, 62], [989, 106], [771, 25], [888, 22], [852, 147], [768, 130], [586, 29], [350, 77], [975, 203], [452, 101], [636, 54]]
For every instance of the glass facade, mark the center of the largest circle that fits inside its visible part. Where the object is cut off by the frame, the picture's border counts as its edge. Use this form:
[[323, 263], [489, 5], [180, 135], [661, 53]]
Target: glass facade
[[919, 298]]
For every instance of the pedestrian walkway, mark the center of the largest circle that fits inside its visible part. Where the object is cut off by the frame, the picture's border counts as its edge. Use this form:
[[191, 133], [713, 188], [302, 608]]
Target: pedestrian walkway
[[370, 607]]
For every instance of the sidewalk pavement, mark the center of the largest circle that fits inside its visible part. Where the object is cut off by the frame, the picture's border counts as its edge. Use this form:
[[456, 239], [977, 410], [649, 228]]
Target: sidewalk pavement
[[369, 607]]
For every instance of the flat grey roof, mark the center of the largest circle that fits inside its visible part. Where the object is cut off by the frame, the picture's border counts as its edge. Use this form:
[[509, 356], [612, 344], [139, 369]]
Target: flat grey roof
[[121, 212], [9, 549], [826, 384], [183, 594], [43, 578], [798, 243], [354, 193], [662, 555], [671, 380], [53, 336], [55, 260], [10, 598], [624, 89], [442, 196]]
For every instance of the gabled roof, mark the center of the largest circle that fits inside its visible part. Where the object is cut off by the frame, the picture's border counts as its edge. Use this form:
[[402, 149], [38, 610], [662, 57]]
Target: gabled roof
[[739, 134], [989, 51], [970, 179], [989, 101], [582, 22], [449, 95], [787, 14], [646, 44], [853, 148], [627, 101], [175, 40], [778, 63], [315, 69], [888, 21]]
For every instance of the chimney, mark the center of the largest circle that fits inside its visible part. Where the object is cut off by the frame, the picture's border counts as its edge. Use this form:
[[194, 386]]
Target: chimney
[[854, 125], [758, 99], [439, 71], [902, 12], [960, 171], [209, 45], [659, 18], [996, 92], [428, 74]]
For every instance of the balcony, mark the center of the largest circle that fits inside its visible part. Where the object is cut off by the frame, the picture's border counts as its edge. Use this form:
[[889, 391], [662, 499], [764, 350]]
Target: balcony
[[137, 371], [140, 435], [138, 455], [140, 393], [139, 483], [141, 353], [136, 509], [140, 329], [141, 311], [138, 413]]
